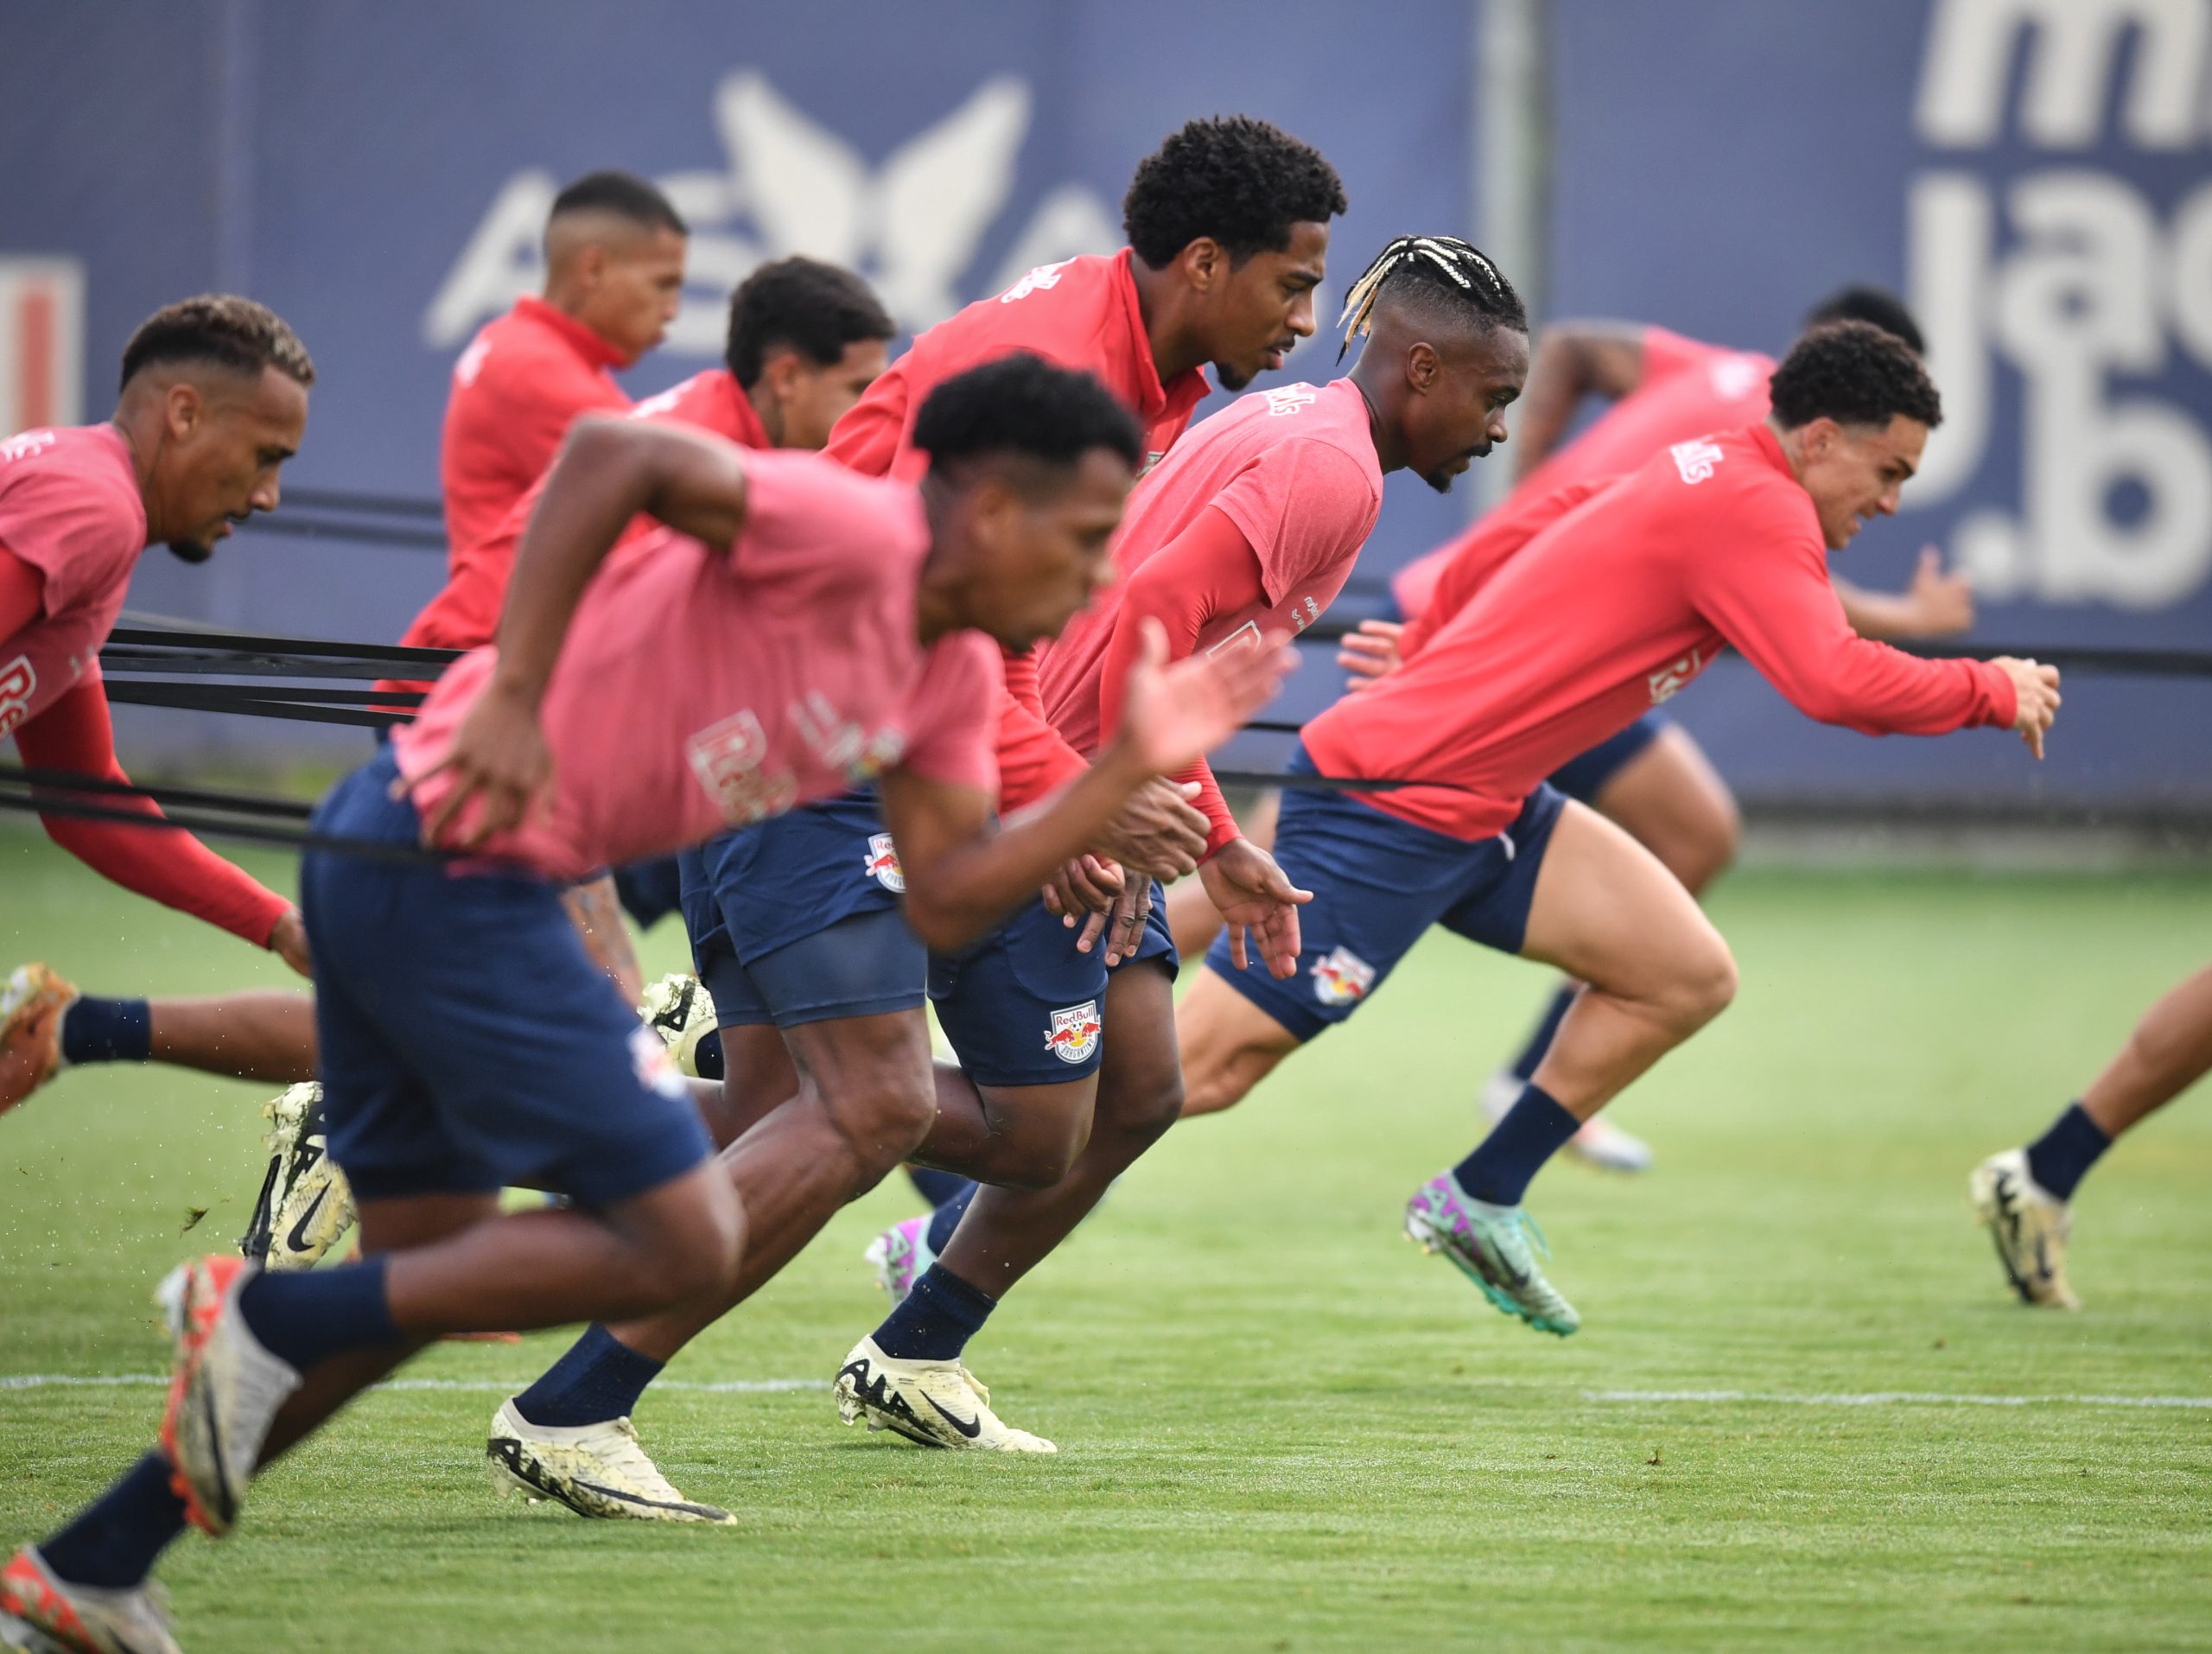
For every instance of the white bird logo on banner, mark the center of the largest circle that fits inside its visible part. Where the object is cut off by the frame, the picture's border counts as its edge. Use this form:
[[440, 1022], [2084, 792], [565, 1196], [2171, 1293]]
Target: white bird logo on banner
[[913, 225]]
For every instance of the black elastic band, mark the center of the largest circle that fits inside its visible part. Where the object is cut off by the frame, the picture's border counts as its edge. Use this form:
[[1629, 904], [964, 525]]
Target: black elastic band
[[216, 827]]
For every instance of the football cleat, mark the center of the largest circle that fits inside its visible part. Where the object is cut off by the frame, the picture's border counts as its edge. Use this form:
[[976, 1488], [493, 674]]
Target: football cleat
[[931, 1403], [596, 1470], [1600, 1145], [1491, 1246], [900, 1256], [305, 1204], [43, 1614], [2030, 1226], [31, 1006], [679, 1010], [224, 1392]]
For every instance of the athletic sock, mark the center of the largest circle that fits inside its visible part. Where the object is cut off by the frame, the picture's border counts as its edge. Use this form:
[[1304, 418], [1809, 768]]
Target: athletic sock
[[937, 1319], [1532, 1130], [307, 1317], [112, 1544], [2063, 1156], [106, 1030], [934, 1186], [946, 1218], [599, 1378], [1540, 1038], [707, 1055]]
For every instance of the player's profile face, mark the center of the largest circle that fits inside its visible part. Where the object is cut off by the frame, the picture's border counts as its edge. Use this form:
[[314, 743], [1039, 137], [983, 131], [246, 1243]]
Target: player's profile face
[[1045, 551], [639, 288], [1856, 472], [813, 398], [1462, 418], [226, 468], [1266, 306]]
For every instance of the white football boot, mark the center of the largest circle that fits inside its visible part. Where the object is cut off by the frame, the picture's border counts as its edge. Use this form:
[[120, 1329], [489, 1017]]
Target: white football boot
[[224, 1392], [931, 1403], [596, 1470], [679, 1010], [306, 1206], [2030, 1226], [41, 1612]]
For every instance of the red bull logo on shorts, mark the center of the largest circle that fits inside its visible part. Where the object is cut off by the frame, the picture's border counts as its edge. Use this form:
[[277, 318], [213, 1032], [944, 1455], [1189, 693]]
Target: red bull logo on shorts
[[882, 861], [1074, 1033], [1342, 978]]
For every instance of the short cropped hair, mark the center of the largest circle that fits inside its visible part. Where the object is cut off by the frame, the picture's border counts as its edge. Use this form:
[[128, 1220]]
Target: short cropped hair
[[1022, 407], [804, 305], [1854, 374], [221, 329], [1875, 304], [1240, 181], [624, 195]]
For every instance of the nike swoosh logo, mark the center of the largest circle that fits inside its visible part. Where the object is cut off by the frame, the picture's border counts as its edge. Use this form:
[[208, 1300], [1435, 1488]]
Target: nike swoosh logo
[[297, 1240], [970, 1427]]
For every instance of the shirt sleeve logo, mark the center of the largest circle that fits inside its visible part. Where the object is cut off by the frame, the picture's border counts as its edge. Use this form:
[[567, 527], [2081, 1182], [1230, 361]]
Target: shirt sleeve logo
[[18, 682], [1289, 399], [30, 442], [1695, 460], [1072, 1035], [1043, 278], [1673, 680]]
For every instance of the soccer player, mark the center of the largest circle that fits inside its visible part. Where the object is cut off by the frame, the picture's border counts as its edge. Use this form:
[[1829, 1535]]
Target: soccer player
[[1252, 523], [1651, 778], [804, 339], [796, 925], [796, 627], [1610, 610], [214, 401], [2025, 1195]]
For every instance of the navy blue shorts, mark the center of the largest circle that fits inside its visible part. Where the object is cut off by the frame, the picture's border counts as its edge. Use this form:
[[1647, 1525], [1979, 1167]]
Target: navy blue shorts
[[1583, 778], [650, 891], [468, 1041], [1378, 882], [1023, 1007], [799, 919]]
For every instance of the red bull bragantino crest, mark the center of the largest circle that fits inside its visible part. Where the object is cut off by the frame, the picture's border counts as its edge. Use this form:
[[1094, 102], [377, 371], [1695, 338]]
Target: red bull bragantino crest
[[1342, 978], [882, 861], [1074, 1032]]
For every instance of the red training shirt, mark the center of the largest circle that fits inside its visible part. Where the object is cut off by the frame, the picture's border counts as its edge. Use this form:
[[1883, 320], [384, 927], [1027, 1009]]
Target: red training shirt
[[1688, 388], [1613, 608], [71, 526], [1083, 313]]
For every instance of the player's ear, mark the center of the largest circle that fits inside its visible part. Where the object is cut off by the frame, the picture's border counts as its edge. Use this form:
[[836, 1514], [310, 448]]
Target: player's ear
[[1205, 263], [184, 409], [1423, 368]]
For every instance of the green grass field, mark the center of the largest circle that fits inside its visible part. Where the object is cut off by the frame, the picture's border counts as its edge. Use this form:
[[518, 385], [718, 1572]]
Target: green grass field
[[1281, 1428]]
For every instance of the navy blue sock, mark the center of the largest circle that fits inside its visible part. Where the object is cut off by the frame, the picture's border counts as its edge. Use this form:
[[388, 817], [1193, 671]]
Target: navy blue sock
[[599, 1378], [106, 1030], [113, 1543], [934, 1186], [940, 1316], [946, 1218], [306, 1319], [707, 1055], [2063, 1156], [1533, 1129], [1540, 1038]]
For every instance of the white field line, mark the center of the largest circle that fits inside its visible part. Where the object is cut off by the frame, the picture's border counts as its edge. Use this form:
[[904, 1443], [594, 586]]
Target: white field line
[[1891, 1398], [484, 1386]]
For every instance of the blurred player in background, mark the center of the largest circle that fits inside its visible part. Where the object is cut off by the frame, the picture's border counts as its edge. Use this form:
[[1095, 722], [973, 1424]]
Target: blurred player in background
[[2025, 1195], [1250, 524], [796, 627], [1651, 778], [1617, 602], [214, 400], [795, 924]]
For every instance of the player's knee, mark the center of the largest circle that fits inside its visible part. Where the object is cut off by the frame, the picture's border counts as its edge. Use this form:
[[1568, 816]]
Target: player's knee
[[699, 1253], [1141, 1113], [883, 1113], [1704, 985]]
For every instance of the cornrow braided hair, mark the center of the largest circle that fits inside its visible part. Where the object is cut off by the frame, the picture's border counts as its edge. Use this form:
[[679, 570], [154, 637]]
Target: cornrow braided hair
[[1444, 261]]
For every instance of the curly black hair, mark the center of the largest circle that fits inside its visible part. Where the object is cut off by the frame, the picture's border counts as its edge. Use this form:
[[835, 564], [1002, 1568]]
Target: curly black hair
[[1241, 181], [622, 194], [804, 305], [222, 329], [1021, 405], [1861, 302], [1856, 374]]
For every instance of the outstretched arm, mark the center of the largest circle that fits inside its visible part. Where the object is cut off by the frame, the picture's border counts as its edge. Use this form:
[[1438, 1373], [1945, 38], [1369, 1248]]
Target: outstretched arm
[[1572, 359], [1935, 605], [161, 863]]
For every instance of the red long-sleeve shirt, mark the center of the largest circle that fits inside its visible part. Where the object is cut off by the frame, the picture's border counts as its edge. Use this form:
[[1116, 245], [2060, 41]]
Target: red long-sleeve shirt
[[1082, 313], [1613, 608]]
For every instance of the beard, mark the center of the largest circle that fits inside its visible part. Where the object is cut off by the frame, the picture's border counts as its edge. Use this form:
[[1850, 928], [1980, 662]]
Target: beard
[[190, 550], [1232, 378]]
